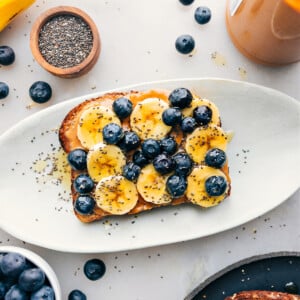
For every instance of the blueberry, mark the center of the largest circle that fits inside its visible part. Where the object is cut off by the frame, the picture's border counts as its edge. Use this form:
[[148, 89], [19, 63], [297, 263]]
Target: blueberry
[[176, 186], [172, 116], [181, 97], [131, 171], [202, 114], [215, 158], [84, 204], [291, 287], [122, 107], [2, 290], [185, 44], [130, 141], [168, 145], [94, 269], [188, 124], [183, 163], [151, 148], [77, 159], [163, 164], [83, 184], [77, 295], [16, 293], [112, 133], [4, 90], [12, 264], [1, 257], [186, 2], [44, 293], [31, 280], [215, 185], [139, 159], [202, 15], [40, 92], [7, 55]]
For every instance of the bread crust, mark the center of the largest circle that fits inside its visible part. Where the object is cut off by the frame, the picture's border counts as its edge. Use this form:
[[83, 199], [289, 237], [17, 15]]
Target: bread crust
[[69, 141], [262, 295]]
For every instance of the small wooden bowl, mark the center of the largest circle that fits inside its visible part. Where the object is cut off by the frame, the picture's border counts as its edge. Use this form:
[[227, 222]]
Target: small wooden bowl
[[76, 70]]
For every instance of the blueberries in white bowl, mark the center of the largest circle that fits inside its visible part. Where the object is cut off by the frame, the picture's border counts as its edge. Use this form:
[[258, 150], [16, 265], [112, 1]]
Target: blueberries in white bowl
[[26, 276]]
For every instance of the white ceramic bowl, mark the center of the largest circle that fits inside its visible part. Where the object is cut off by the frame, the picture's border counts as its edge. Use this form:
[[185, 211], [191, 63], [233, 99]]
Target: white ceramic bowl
[[39, 262]]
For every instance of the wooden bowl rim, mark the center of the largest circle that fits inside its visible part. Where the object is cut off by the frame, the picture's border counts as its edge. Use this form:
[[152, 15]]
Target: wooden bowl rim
[[48, 15]]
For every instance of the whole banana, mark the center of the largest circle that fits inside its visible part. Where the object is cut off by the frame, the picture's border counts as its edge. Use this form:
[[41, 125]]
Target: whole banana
[[11, 8]]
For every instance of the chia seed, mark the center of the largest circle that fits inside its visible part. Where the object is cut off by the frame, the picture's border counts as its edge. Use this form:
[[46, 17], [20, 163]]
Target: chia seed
[[65, 41]]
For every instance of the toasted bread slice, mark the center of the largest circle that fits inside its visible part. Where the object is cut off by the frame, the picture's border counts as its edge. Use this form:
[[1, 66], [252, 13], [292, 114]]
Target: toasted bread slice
[[69, 141], [262, 295]]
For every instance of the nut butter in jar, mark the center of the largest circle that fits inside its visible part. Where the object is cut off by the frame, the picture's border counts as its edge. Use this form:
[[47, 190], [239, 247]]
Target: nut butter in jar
[[266, 31]]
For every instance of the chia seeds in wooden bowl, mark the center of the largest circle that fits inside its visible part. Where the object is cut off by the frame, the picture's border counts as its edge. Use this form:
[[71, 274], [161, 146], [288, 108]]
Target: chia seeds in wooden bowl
[[65, 41]]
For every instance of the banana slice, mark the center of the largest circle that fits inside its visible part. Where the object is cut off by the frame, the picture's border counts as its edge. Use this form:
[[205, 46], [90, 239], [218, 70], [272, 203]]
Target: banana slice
[[116, 195], [91, 123], [152, 186], [204, 138], [105, 160], [146, 119], [196, 192], [215, 119]]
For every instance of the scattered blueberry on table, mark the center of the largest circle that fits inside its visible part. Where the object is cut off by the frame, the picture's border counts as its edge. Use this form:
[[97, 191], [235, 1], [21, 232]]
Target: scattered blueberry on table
[[77, 295], [40, 92], [7, 55], [185, 44], [94, 269], [186, 2], [291, 287], [202, 15], [4, 90]]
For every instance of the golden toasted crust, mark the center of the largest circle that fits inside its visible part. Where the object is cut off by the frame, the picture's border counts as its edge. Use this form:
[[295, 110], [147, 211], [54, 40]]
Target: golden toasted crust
[[69, 141], [262, 295]]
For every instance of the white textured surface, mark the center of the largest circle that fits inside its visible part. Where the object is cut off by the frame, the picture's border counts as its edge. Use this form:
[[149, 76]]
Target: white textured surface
[[138, 46]]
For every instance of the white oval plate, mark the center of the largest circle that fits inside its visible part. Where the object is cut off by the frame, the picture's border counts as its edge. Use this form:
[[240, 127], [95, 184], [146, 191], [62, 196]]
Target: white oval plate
[[263, 157]]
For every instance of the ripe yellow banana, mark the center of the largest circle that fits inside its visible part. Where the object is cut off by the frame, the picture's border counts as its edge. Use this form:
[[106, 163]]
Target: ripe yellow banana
[[116, 195], [215, 119], [196, 192], [146, 119], [204, 138], [105, 160], [10, 8], [152, 186], [91, 123]]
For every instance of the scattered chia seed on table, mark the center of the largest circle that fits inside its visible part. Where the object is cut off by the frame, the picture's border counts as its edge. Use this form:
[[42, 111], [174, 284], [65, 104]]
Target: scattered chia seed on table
[[65, 41]]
